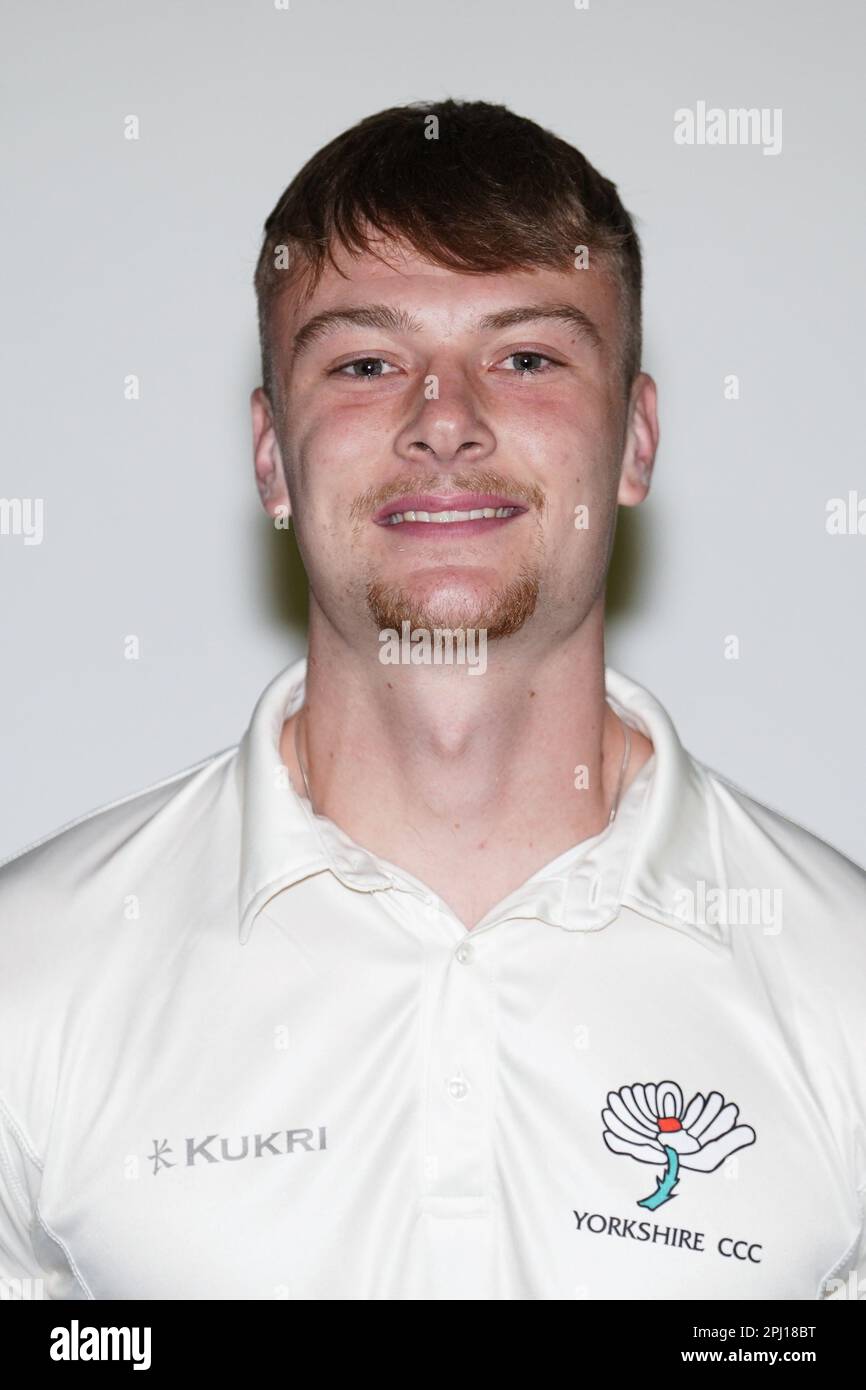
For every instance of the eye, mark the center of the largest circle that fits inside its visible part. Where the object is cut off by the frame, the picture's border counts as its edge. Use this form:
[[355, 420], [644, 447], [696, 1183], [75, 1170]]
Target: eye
[[524, 355], [365, 363]]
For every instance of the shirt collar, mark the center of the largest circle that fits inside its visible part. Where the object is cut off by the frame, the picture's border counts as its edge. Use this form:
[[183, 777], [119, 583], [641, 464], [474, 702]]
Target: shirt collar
[[662, 843]]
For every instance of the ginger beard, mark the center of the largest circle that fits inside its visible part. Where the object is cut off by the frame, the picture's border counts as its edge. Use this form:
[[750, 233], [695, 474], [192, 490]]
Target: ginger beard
[[498, 612]]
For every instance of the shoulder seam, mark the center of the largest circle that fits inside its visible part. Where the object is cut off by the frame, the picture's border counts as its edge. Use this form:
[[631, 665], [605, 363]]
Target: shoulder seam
[[789, 820], [27, 1148], [67, 1253], [119, 801], [34, 1214]]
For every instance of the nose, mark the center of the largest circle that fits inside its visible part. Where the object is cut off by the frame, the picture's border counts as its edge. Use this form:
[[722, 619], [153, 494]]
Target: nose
[[446, 425]]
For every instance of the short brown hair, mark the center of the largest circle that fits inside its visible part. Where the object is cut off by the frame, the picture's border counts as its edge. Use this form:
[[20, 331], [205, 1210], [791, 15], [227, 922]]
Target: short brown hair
[[491, 191]]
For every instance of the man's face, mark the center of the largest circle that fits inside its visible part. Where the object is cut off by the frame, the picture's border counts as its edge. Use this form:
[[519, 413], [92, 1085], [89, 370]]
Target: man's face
[[448, 394]]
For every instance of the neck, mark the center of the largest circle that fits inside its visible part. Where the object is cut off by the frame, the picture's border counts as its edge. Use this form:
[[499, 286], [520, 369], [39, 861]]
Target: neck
[[467, 781]]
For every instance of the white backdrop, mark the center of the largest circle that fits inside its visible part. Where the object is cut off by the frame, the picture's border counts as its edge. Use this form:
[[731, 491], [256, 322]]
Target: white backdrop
[[137, 256]]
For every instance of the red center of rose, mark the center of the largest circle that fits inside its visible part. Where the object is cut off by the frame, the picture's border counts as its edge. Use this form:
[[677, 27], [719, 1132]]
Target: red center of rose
[[667, 1126]]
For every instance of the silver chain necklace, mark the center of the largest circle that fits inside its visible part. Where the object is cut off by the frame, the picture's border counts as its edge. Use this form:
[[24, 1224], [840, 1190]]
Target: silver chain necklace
[[616, 798], [625, 757]]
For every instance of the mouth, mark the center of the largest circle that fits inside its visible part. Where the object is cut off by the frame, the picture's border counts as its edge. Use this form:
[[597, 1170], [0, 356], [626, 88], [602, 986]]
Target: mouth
[[448, 513]]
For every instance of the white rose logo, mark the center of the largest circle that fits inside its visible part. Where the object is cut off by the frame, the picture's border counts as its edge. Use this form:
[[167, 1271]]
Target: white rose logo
[[649, 1122]]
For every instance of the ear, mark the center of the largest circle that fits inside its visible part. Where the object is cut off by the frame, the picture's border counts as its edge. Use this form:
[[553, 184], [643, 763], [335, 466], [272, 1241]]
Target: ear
[[270, 476], [641, 442]]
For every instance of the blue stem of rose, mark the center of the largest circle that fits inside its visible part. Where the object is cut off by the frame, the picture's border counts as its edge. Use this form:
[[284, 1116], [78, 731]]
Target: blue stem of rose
[[665, 1184]]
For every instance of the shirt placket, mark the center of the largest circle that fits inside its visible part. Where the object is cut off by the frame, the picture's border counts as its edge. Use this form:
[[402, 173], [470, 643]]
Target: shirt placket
[[456, 1216], [460, 1026]]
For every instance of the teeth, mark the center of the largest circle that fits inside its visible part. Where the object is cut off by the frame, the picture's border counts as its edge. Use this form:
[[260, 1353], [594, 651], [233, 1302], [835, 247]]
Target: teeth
[[476, 515]]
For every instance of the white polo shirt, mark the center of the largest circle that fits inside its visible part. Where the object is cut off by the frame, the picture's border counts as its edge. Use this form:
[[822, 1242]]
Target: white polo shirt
[[242, 1058]]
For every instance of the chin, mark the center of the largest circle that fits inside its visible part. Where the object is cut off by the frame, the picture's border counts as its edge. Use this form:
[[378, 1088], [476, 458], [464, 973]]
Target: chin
[[498, 611]]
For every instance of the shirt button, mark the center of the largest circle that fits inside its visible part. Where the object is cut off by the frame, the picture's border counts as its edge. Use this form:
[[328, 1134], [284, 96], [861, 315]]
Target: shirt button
[[464, 954], [457, 1087]]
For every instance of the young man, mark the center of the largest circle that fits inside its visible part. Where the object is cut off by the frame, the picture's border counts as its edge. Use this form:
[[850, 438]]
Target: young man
[[459, 977]]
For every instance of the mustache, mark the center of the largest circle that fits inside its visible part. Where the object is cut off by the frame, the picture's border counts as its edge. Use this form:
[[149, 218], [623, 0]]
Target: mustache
[[474, 480]]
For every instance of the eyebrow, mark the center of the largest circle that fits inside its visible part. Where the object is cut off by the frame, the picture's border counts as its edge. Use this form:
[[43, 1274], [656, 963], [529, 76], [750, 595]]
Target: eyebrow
[[387, 317]]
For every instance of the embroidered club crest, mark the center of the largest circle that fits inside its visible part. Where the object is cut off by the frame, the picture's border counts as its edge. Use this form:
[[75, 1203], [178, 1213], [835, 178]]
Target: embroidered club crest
[[649, 1122]]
